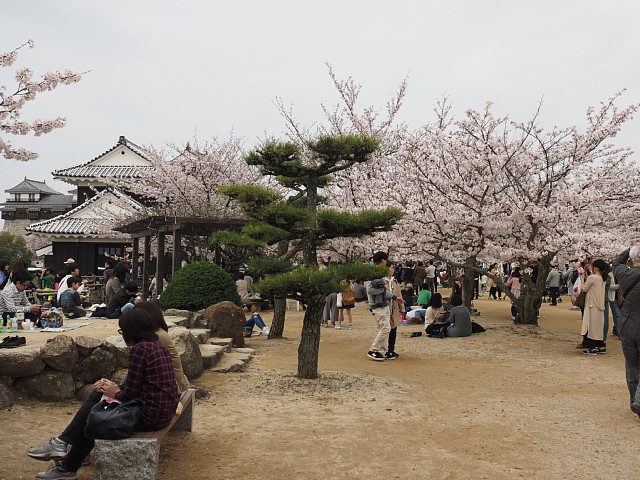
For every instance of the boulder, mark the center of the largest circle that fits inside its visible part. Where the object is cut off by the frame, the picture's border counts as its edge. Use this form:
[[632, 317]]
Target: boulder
[[189, 351], [86, 345], [102, 363], [199, 320], [84, 391], [201, 334], [20, 362], [226, 320], [6, 398], [175, 312], [119, 348], [50, 385], [60, 353]]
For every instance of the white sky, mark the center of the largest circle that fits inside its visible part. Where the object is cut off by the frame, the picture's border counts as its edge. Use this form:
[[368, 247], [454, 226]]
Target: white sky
[[163, 71]]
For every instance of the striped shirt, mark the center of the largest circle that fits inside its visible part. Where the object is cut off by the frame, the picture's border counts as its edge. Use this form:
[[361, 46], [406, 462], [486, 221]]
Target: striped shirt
[[11, 300]]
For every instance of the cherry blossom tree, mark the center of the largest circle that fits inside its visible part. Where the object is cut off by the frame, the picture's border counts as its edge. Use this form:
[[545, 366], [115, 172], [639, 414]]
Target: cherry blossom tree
[[14, 99]]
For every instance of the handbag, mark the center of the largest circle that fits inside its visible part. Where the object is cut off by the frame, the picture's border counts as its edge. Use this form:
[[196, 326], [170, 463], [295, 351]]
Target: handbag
[[339, 300], [113, 420], [581, 300]]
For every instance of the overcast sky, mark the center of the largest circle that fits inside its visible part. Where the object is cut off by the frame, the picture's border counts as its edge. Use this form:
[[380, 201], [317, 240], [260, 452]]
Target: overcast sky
[[162, 71]]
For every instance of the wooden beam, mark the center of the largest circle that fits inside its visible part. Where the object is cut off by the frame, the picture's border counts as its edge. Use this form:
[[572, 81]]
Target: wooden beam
[[177, 241], [134, 258], [146, 247], [160, 264]]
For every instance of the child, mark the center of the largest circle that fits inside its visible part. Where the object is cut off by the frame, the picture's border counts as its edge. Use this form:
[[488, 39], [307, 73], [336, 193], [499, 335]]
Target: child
[[70, 300]]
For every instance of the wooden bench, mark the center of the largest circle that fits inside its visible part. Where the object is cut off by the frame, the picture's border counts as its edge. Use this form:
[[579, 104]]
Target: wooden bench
[[257, 304], [137, 457]]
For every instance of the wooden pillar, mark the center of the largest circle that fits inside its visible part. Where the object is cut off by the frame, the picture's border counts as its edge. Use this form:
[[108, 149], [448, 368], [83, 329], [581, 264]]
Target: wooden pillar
[[176, 261], [146, 248], [134, 259], [160, 263]]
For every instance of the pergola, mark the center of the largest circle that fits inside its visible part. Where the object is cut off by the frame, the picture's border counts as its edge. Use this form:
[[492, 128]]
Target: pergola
[[161, 226]]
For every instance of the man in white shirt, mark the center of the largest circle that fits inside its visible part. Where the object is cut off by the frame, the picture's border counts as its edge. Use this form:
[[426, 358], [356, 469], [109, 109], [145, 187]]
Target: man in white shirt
[[72, 271], [430, 278]]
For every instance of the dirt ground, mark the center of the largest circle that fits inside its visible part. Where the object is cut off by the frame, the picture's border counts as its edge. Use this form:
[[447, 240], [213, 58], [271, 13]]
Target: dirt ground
[[514, 402]]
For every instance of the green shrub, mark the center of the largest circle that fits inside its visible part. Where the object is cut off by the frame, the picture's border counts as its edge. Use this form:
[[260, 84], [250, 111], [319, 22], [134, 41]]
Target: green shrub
[[197, 286]]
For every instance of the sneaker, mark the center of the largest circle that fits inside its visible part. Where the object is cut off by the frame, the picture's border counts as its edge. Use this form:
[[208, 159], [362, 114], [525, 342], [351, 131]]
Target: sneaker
[[265, 331], [54, 449], [338, 326], [377, 356], [601, 350], [6, 341], [635, 408], [56, 473], [391, 355], [350, 326], [16, 342], [590, 351]]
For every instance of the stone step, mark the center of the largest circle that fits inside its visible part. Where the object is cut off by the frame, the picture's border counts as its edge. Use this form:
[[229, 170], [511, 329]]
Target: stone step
[[178, 321], [211, 354], [232, 362], [201, 334], [227, 343], [248, 351]]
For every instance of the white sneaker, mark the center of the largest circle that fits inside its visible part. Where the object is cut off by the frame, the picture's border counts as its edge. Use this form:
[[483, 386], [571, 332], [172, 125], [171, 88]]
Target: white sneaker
[[265, 331], [338, 326]]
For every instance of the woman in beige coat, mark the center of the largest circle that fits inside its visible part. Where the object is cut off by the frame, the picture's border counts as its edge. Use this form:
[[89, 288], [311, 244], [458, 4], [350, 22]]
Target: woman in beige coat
[[593, 317]]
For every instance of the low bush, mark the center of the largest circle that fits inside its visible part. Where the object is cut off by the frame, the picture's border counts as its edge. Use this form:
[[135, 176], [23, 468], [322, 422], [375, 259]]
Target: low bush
[[197, 286]]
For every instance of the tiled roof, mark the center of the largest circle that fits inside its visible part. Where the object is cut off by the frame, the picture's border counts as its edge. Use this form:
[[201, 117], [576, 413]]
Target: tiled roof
[[52, 201], [113, 171], [70, 223], [32, 186]]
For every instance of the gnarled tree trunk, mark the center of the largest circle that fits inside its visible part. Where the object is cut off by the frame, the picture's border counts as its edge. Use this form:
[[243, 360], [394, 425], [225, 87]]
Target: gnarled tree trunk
[[310, 339], [279, 311]]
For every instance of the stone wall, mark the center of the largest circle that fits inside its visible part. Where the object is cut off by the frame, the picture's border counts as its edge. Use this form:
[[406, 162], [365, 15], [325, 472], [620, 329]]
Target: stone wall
[[16, 227]]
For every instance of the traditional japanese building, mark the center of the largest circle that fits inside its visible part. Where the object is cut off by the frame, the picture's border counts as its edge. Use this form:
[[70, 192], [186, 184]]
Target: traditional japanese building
[[31, 201], [83, 233]]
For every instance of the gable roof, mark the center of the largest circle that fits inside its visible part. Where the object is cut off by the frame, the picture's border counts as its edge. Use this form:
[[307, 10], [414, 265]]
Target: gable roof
[[33, 186], [87, 219], [124, 160]]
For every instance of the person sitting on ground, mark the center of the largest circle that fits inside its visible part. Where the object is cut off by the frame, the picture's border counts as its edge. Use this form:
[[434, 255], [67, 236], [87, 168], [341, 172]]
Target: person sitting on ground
[[13, 299], [253, 320], [72, 271], [116, 280], [423, 297], [70, 301], [108, 268], [459, 319], [150, 377], [408, 297], [162, 330], [123, 300]]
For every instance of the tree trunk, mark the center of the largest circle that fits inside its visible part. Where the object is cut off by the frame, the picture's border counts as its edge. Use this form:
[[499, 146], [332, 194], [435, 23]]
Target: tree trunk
[[310, 339], [279, 312], [467, 282]]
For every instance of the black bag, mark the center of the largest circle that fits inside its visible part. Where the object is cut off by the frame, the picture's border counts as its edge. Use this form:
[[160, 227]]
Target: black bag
[[581, 300], [113, 421]]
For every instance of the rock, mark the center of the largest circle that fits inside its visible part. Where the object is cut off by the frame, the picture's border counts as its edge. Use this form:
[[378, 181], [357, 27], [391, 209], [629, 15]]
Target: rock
[[84, 391], [201, 334], [189, 351], [199, 320], [50, 385], [223, 342], [6, 398], [60, 353], [211, 355], [20, 362], [248, 351], [202, 394], [102, 363], [131, 458], [179, 321], [119, 376], [86, 345], [175, 312], [231, 362], [226, 320], [119, 348]]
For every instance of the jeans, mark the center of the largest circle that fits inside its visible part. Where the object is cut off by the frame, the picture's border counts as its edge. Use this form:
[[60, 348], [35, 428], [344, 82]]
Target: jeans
[[126, 307], [615, 311], [254, 319]]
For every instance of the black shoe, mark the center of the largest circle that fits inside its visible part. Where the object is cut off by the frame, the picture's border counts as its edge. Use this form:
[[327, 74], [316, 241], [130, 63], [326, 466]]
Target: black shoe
[[16, 342], [6, 341], [377, 356], [635, 408], [391, 355]]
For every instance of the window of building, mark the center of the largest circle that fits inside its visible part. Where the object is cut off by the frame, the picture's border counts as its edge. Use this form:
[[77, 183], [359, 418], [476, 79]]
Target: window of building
[[33, 215], [21, 214]]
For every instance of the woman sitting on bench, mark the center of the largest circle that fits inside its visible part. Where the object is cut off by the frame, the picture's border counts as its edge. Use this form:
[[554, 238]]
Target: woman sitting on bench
[[150, 377]]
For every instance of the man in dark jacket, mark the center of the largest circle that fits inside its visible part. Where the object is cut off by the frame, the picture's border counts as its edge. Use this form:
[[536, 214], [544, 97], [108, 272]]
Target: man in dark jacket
[[122, 301], [627, 270]]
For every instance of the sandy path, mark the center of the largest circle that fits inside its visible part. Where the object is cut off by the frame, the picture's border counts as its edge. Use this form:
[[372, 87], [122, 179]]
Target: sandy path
[[516, 402]]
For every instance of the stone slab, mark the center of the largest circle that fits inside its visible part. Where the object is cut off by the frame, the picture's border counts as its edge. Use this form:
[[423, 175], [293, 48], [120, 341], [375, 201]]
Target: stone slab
[[211, 354], [201, 334], [131, 458], [225, 342], [231, 362]]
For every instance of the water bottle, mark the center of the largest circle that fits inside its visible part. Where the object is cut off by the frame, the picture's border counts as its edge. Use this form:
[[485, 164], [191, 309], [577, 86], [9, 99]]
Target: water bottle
[[14, 323]]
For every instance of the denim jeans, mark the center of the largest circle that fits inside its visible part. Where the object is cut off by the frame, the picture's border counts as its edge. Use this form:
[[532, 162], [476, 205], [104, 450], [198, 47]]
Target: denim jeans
[[615, 311], [254, 319]]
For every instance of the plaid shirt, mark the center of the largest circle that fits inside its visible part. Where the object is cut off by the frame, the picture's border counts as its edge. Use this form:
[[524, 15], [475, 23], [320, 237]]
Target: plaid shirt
[[11, 300], [151, 377]]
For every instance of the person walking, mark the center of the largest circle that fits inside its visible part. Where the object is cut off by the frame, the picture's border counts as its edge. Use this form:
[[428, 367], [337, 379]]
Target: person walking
[[379, 294], [626, 268], [554, 278], [593, 315]]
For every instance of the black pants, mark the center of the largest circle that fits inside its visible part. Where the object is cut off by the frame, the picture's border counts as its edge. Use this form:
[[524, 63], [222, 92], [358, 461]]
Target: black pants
[[492, 293], [590, 343], [392, 339], [436, 328], [553, 293]]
